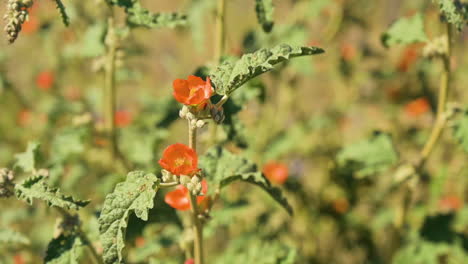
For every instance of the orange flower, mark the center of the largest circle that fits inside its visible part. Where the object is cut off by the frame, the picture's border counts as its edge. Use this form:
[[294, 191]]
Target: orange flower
[[276, 172], [348, 51], [24, 117], [179, 160], [340, 205], [189, 261], [417, 107], [45, 80], [18, 259], [122, 118], [180, 197], [408, 58], [193, 91], [450, 203], [140, 242], [31, 25]]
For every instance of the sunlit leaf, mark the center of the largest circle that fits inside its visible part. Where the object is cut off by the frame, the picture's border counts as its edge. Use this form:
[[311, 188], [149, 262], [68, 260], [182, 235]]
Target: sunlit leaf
[[405, 31], [136, 195], [229, 76]]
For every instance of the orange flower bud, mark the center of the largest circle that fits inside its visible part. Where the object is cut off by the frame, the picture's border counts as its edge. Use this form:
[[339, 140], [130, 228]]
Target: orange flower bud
[[276, 172]]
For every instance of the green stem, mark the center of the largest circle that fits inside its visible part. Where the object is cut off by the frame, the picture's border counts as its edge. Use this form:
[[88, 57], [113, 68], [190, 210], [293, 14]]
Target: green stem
[[196, 224], [441, 102], [82, 234], [109, 97], [220, 45]]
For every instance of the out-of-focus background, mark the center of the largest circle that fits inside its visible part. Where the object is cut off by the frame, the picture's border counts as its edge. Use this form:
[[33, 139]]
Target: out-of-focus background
[[308, 114]]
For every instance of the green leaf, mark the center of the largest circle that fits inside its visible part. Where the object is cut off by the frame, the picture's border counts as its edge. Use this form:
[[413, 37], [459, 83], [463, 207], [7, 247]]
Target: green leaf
[[221, 168], [68, 143], [140, 16], [8, 236], [65, 249], [28, 159], [455, 12], [264, 9], [405, 31], [229, 76], [135, 194], [460, 131], [36, 188], [63, 13], [137, 15], [90, 45], [368, 156]]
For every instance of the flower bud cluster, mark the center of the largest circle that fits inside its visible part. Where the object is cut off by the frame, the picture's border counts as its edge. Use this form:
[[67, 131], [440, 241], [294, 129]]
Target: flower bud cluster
[[193, 184], [194, 122], [15, 16], [436, 48], [167, 176], [6, 183]]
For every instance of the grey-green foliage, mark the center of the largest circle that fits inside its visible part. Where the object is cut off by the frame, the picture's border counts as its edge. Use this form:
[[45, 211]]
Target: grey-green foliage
[[136, 194], [229, 76], [64, 249], [27, 160], [368, 156], [8, 236], [265, 9], [455, 12], [222, 167], [248, 249], [137, 15], [68, 142], [460, 131], [90, 45], [35, 187], [421, 251], [405, 31], [63, 12]]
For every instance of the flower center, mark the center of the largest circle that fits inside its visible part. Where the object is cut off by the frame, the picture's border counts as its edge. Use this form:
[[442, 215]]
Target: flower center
[[181, 161]]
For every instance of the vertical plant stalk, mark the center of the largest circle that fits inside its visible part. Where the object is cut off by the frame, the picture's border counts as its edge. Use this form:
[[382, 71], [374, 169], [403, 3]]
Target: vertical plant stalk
[[109, 96], [220, 46], [441, 101], [196, 223], [437, 129], [220, 41]]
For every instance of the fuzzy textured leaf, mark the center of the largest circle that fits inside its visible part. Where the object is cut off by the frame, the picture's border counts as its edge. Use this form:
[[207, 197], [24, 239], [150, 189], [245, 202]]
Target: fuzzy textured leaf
[[64, 249], [28, 159], [221, 168], [265, 9], [137, 15], [35, 187], [405, 31], [368, 156], [8, 236], [229, 76], [135, 194], [455, 12]]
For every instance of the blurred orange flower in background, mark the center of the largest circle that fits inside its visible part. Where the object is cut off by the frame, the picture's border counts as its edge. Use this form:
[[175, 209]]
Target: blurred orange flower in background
[[179, 198], [122, 118], [179, 159], [450, 203], [45, 80], [348, 51], [276, 172], [408, 57], [417, 107], [193, 91]]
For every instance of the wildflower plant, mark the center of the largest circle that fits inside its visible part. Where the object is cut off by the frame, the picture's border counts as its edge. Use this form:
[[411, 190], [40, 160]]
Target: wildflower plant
[[185, 178]]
